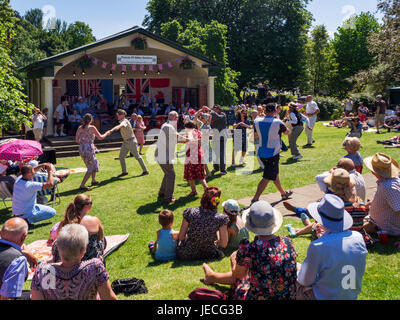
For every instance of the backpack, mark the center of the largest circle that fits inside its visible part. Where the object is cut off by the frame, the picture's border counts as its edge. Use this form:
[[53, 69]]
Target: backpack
[[206, 294]]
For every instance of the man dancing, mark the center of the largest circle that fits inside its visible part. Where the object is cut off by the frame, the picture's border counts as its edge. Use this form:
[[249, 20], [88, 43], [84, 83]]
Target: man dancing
[[129, 144]]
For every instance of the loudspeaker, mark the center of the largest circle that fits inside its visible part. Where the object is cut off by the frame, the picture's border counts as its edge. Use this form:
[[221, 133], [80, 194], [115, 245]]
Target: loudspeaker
[[49, 155]]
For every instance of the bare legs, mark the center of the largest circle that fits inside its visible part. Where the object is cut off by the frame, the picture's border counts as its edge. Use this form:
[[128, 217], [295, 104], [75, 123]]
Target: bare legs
[[192, 184], [264, 183], [211, 277], [86, 178]]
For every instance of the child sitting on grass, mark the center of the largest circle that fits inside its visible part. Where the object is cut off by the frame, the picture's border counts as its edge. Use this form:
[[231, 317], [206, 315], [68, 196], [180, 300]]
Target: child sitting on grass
[[236, 229], [164, 248], [352, 145]]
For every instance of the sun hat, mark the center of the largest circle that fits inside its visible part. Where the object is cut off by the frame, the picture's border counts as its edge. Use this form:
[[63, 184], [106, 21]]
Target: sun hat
[[2, 168], [338, 179], [330, 213], [262, 219], [231, 207], [383, 165]]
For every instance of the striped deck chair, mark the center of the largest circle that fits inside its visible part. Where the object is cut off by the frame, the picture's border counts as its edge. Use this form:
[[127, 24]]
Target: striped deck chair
[[5, 194], [53, 193]]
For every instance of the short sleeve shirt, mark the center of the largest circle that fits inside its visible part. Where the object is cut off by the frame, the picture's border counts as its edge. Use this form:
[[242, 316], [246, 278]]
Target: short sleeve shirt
[[269, 131], [24, 196], [311, 107], [126, 130], [39, 123], [60, 110], [272, 268]]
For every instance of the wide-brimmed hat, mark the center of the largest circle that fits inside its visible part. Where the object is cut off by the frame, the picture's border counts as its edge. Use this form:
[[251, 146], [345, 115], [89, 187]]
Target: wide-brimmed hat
[[262, 219], [330, 213], [339, 177], [231, 206], [383, 165]]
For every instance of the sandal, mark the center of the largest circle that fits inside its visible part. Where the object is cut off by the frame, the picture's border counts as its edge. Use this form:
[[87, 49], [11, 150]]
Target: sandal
[[287, 195], [95, 183], [192, 194], [84, 188]]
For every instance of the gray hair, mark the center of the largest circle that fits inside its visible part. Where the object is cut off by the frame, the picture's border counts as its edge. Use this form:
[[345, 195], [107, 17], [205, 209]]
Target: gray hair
[[71, 240], [173, 114]]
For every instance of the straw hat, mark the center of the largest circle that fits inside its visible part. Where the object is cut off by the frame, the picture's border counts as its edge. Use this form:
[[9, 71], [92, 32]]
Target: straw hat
[[383, 165], [262, 219], [339, 180]]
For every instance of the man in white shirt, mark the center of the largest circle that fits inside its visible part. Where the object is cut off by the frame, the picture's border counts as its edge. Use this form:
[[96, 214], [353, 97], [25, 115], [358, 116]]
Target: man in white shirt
[[59, 116], [38, 124], [80, 106], [335, 263], [348, 108], [312, 111]]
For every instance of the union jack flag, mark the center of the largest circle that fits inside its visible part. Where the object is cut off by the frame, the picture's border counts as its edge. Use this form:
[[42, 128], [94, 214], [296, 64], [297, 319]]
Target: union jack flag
[[94, 87], [135, 88]]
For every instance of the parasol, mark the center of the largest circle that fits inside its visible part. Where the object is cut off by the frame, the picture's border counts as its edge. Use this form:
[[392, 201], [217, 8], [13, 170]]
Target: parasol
[[20, 150]]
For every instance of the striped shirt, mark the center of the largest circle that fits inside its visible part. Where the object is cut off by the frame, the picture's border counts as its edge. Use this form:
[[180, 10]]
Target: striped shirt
[[269, 131], [385, 205]]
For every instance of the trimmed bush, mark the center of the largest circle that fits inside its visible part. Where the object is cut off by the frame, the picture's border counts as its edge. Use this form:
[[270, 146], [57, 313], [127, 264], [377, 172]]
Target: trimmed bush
[[330, 107]]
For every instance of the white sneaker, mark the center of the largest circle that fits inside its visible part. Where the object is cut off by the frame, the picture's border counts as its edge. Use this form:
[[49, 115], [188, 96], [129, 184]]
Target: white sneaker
[[62, 134], [56, 135], [300, 156]]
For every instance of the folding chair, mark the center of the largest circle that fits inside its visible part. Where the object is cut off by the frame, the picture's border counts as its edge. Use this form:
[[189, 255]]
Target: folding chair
[[53, 192], [5, 194]]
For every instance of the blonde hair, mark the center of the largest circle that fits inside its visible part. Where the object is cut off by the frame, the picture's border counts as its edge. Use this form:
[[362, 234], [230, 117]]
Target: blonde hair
[[140, 118], [353, 144]]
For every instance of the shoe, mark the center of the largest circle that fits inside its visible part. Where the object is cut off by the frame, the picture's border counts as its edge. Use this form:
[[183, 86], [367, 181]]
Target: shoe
[[84, 188], [123, 174], [287, 195], [223, 173], [291, 231], [95, 183], [308, 145], [145, 173], [161, 195], [56, 135], [62, 134], [313, 141], [233, 165], [192, 194], [213, 171], [300, 156]]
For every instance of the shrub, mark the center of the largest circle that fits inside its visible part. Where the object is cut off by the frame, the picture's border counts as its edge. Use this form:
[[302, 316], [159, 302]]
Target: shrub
[[363, 97], [330, 107]]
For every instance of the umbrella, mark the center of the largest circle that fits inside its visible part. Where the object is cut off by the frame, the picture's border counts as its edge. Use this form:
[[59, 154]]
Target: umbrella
[[20, 150]]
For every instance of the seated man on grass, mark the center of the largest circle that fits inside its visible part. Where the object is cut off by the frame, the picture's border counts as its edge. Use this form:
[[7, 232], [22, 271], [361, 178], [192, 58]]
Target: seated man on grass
[[24, 203]]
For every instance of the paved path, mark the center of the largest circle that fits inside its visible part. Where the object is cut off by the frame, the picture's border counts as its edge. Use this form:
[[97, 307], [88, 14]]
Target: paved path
[[305, 195]]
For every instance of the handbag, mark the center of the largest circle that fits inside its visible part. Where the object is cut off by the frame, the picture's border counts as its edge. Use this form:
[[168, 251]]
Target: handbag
[[129, 286], [206, 294]]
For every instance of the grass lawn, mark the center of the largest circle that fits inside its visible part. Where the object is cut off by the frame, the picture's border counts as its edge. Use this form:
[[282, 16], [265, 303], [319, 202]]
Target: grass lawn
[[130, 205]]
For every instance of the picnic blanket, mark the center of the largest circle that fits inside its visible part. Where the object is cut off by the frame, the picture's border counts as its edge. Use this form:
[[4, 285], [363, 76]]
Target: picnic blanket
[[42, 249], [70, 171]]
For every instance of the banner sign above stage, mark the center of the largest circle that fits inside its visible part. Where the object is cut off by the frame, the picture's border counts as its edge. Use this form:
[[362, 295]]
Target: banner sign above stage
[[142, 60]]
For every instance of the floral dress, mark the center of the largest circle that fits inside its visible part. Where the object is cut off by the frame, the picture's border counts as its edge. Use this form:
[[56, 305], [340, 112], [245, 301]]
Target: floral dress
[[194, 162], [80, 283], [201, 235], [87, 150], [272, 271], [139, 134]]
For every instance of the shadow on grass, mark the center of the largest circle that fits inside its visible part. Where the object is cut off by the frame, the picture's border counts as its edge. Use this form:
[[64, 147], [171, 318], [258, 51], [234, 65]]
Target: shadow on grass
[[157, 206], [388, 249], [5, 214], [192, 263]]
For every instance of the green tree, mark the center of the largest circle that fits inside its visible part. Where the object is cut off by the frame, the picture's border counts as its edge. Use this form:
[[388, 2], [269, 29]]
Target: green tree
[[385, 47], [35, 18], [351, 52], [209, 40], [14, 109], [266, 38], [318, 59], [78, 34]]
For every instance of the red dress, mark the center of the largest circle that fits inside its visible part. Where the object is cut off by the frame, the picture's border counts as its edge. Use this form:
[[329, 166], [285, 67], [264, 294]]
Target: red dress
[[194, 162]]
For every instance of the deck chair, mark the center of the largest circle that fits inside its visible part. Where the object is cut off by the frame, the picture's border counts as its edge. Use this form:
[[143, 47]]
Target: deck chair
[[5, 194], [53, 192]]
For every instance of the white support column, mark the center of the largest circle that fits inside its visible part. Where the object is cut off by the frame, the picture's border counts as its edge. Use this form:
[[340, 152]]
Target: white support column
[[47, 102], [210, 92]]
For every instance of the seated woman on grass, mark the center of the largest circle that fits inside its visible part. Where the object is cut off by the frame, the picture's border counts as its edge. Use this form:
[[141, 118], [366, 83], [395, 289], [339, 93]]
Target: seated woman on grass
[[74, 279], [77, 212], [236, 228], [203, 230], [264, 269]]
